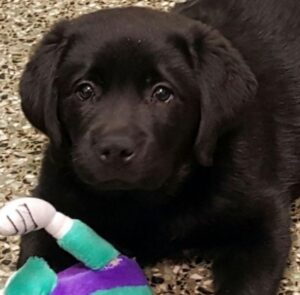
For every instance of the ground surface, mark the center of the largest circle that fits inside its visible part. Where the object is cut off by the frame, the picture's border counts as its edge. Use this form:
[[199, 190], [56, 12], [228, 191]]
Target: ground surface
[[22, 23]]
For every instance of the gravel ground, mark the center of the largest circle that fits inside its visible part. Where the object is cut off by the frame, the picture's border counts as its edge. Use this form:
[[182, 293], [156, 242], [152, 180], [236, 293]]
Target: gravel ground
[[22, 23]]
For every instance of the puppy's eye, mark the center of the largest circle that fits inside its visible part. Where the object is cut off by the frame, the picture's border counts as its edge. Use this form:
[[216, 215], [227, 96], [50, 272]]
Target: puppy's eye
[[85, 91], [163, 93]]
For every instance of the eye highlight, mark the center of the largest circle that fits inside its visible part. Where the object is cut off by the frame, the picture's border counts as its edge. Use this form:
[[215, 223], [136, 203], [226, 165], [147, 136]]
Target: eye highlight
[[85, 91], [163, 93]]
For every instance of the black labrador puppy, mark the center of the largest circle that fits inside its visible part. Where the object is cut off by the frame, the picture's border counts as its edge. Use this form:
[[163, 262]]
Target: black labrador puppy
[[172, 131]]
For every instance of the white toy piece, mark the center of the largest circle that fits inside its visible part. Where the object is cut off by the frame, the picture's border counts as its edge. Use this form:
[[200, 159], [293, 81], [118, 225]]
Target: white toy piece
[[29, 214]]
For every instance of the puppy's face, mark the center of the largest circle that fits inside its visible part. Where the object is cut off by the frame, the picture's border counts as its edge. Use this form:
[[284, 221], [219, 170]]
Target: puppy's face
[[134, 92], [127, 102]]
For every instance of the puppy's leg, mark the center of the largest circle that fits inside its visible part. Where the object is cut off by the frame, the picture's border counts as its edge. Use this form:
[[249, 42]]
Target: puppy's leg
[[254, 266], [42, 245]]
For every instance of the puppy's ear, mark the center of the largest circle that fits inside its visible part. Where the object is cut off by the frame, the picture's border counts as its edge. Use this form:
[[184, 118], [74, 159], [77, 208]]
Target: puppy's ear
[[227, 87], [37, 86]]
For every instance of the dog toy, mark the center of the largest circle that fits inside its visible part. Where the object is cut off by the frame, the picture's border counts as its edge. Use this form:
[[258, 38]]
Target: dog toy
[[102, 270]]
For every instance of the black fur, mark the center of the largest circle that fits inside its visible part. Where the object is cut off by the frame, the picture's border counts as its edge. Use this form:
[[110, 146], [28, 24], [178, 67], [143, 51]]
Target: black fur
[[213, 168]]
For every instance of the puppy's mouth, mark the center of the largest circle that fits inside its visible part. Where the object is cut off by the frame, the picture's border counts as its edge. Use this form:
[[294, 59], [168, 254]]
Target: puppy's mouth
[[147, 184], [116, 184], [118, 180]]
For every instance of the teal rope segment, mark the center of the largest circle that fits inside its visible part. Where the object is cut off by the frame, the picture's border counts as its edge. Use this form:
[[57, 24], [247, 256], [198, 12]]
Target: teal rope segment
[[34, 277], [87, 246]]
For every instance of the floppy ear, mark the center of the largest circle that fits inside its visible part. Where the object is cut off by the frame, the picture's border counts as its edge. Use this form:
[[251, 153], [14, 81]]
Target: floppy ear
[[37, 86], [227, 87]]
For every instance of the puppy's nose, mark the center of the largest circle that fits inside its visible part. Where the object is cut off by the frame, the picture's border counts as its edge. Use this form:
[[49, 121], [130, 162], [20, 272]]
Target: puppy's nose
[[116, 150]]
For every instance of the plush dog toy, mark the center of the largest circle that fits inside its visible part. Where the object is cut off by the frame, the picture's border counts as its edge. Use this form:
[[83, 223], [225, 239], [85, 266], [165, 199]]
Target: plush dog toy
[[102, 271]]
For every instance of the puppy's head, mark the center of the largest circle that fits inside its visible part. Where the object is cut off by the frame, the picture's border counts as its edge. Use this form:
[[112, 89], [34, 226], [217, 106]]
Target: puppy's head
[[135, 94]]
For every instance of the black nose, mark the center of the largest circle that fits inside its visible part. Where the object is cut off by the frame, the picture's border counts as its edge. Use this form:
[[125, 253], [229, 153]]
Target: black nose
[[116, 150]]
